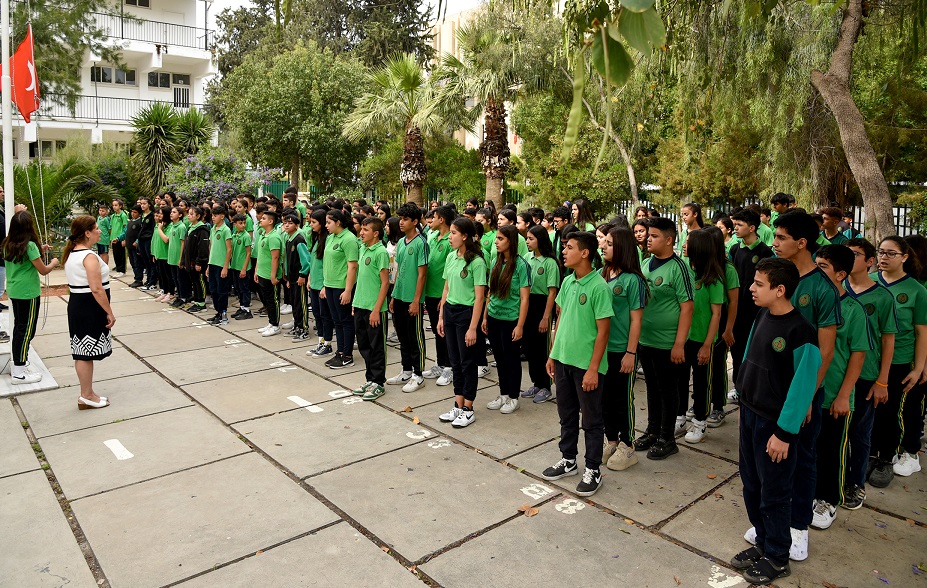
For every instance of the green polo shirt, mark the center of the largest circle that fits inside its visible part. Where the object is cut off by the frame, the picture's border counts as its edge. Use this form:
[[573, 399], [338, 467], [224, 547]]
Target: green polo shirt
[[670, 283], [158, 246], [118, 224], [316, 271], [269, 242], [582, 302], [817, 299], [218, 236], [22, 277], [176, 233], [705, 296], [766, 234], [438, 249], [410, 255], [506, 309], [488, 243], [879, 305], [910, 310], [838, 239], [852, 336], [545, 274], [463, 278], [629, 292], [522, 249], [339, 250], [372, 261], [240, 243], [105, 223]]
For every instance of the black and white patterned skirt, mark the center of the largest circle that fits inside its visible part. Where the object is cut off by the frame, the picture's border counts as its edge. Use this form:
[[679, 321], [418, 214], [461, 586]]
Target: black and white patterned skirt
[[90, 339]]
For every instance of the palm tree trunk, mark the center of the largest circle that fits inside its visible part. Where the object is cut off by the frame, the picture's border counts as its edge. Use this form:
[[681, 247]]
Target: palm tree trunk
[[834, 87], [494, 150], [295, 166], [413, 170]]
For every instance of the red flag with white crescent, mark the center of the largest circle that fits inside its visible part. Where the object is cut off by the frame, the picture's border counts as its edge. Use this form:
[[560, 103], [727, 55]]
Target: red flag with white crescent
[[25, 80]]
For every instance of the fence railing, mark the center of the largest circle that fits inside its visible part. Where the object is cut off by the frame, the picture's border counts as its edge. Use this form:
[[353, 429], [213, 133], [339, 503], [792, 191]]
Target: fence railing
[[102, 108], [152, 31]]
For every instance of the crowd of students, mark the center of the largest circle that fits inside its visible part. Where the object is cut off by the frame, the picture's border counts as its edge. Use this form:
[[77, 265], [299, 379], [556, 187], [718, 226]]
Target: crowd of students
[[827, 332]]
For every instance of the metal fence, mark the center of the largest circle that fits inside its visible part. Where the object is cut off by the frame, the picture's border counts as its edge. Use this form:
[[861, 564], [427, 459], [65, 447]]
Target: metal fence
[[103, 108], [151, 31]]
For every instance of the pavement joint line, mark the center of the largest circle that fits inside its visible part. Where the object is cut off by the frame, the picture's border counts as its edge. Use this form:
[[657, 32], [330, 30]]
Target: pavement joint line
[[282, 411], [710, 492], [474, 535], [19, 473], [363, 459], [186, 469], [527, 449], [895, 515], [70, 517], [311, 490], [693, 447], [253, 554], [132, 418]]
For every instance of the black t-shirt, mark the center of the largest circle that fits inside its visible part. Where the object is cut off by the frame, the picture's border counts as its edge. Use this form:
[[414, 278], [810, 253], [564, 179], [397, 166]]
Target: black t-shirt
[[147, 227]]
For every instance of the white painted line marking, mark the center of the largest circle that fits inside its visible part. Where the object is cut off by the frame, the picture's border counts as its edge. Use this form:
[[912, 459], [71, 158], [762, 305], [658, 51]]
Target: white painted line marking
[[536, 491], [339, 393], [352, 400], [118, 449], [168, 310], [232, 341], [570, 506], [302, 402], [718, 579], [420, 434], [280, 364], [438, 444], [283, 369]]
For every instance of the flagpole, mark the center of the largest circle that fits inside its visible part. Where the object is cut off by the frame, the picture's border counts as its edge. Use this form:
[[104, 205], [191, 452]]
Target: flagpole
[[7, 107]]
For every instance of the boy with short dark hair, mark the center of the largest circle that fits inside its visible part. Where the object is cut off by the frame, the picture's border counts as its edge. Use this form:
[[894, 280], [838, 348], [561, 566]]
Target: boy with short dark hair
[[830, 229], [296, 271], [220, 255], [242, 271], [777, 383], [781, 203], [578, 362], [105, 224], [853, 342], [369, 313], [269, 271]]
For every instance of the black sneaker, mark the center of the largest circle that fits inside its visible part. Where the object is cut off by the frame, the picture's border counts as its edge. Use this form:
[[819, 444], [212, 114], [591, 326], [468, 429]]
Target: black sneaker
[[589, 485], [343, 361], [4, 336], [765, 572], [178, 302], [300, 335], [215, 320], [747, 558], [645, 442], [561, 469], [244, 316], [663, 449], [135, 284], [882, 475], [871, 466], [335, 360], [237, 313], [197, 307]]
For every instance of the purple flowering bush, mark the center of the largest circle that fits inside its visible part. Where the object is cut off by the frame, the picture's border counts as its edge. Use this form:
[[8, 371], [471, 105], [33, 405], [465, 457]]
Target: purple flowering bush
[[216, 173]]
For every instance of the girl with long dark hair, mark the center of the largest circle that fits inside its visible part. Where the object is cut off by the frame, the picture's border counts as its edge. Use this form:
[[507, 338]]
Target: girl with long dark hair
[[545, 283]]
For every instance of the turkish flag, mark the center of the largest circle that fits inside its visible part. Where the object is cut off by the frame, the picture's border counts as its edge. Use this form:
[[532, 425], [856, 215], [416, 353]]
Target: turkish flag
[[25, 81]]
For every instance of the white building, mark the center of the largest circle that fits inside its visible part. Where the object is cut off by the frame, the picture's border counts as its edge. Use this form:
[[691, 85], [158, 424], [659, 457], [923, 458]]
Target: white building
[[168, 54]]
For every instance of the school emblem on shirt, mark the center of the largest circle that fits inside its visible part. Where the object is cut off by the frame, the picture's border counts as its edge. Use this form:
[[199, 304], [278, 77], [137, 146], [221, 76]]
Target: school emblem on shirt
[[410, 251], [755, 259], [367, 261], [804, 300], [336, 246], [540, 271], [658, 281], [902, 298], [463, 273], [870, 309], [582, 299], [698, 285], [778, 344], [618, 290]]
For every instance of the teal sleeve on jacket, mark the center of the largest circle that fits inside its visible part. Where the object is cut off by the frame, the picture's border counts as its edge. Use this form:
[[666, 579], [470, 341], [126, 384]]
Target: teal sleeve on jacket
[[807, 361], [304, 259]]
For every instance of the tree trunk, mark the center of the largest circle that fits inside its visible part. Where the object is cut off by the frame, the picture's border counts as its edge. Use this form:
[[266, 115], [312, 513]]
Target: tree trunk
[[628, 164], [413, 170], [295, 166], [834, 87], [494, 150]]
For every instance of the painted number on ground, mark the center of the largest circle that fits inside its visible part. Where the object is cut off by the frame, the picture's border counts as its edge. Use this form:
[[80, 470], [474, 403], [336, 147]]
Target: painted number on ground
[[339, 393], [536, 491], [570, 506], [439, 443], [280, 364], [232, 341], [304, 403], [420, 434], [118, 449], [719, 579], [352, 400]]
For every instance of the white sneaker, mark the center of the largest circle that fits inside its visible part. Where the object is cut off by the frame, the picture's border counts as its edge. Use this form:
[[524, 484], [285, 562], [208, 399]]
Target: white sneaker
[[447, 377], [510, 406], [400, 378], [623, 458], [696, 432], [750, 536], [26, 378], [465, 418], [288, 325], [264, 328], [906, 465], [434, 373], [680, 426], [497, 403], [450, 415], [270, 332], [286, 309], [824, 515], [733, 396], [799, 549], [482, 371], [414, 383]]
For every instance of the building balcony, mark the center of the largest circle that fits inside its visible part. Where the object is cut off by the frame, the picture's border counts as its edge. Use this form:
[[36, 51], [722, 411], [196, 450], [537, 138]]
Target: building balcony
[[150, 31], [103, 108]]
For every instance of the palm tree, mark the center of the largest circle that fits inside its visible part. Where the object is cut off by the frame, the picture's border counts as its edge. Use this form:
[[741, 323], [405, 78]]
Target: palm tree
[[52, 191], [162, 138], [404, 97], [194, 130]]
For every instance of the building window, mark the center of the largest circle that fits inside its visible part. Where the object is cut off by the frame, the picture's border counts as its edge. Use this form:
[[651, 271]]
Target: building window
[[139, 3], [104, 74], [181, 79], [159, 79]]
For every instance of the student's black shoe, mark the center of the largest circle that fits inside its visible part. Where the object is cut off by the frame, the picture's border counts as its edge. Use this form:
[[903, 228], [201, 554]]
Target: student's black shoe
[[178, 302], [237, 313], [335, 360], [746, 558], [663, 449], [215, 320], [882, 475], [262, 313], [592, 480], [854, 498], [766, 572], [135, 284], [645, 442], [871, 466], [561, 469], [244, 316], [342, 361], [197, 308]]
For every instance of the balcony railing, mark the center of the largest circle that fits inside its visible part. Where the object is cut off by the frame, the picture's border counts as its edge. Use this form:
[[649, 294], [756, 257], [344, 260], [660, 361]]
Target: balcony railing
[[102, 108], [150, 31]]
